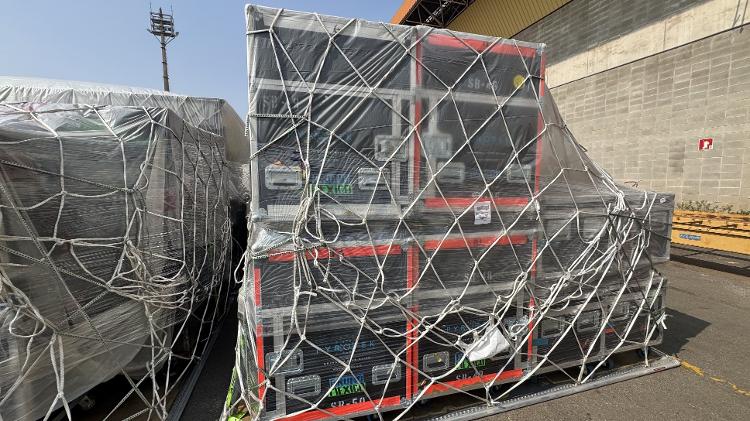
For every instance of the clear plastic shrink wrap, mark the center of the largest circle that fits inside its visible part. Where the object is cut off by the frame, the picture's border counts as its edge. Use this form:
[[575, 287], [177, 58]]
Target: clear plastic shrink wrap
[[423, 223], [114, 246], [213, 115]]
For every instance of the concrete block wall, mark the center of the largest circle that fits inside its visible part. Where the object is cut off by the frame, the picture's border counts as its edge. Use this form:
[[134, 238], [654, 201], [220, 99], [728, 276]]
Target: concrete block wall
[[583, 24], [642, 121]]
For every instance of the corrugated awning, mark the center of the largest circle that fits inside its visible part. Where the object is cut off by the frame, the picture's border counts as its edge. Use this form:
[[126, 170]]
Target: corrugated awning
[[502, 18], [437, 13]]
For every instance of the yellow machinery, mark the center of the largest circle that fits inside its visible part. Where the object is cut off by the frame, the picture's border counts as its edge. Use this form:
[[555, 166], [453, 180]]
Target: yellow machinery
[[720, 231]]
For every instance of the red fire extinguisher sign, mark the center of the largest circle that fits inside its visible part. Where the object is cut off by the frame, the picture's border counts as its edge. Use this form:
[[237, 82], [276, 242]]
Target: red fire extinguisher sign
[[705, 144]]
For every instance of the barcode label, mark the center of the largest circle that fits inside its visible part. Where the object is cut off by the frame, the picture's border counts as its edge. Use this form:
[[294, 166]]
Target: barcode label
[[482, 214]]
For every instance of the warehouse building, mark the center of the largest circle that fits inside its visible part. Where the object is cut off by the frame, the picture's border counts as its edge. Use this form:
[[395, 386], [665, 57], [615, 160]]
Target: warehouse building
[[658, 91]]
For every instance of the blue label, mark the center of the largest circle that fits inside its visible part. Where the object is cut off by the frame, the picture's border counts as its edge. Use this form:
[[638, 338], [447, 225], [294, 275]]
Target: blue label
[[691, 237], [461, 328], [540, 342], [346, 346], [346, 385], [347, 380]]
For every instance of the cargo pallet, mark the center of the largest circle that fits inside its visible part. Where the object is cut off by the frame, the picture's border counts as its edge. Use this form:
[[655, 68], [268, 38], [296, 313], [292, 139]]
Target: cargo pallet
[[409, 141], [719, 231]]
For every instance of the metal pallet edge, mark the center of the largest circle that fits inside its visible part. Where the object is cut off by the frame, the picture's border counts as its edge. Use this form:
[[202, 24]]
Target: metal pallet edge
[[183, 396], [626, 373]]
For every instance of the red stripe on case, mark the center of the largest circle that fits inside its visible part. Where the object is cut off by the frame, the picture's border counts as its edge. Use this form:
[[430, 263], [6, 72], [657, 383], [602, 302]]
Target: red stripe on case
[[354, 408], [461, 243], [439, 202], [479, 45], [325, 253], [458, 384]]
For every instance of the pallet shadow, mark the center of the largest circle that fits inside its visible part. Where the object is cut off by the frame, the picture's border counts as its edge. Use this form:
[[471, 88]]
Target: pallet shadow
[[681, 328]]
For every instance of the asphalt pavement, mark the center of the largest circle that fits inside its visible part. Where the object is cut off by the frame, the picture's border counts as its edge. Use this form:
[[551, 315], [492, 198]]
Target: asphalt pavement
[[708, 330]]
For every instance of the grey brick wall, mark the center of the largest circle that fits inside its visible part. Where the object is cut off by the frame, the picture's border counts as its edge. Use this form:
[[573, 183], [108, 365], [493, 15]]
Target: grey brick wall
[[642, 121], [582, 24]]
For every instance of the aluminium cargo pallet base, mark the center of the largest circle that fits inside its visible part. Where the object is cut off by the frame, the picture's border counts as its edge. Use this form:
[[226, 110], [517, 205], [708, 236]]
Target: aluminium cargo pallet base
[[531, 394]]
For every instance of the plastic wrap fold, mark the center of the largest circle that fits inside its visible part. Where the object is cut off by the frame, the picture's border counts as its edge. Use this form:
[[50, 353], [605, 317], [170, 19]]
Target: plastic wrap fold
[[214, 115]]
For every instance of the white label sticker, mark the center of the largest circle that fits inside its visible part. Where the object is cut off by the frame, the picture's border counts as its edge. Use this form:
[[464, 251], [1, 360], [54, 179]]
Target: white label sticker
[[482, 213]]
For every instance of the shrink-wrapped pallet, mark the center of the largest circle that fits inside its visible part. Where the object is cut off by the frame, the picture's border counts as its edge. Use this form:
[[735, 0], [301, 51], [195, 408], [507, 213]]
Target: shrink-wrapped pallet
[[114, 247], [423, 223]]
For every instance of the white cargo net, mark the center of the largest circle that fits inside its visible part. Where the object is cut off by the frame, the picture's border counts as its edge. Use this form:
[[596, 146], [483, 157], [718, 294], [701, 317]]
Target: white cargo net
[[423, 223], [114, 240]]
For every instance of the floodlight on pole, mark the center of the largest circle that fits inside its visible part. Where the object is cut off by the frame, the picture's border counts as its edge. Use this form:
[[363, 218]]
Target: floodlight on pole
[[162, 27]]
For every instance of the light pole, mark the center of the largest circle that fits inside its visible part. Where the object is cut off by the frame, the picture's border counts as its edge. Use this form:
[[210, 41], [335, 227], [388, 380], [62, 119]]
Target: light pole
[[162, 27]]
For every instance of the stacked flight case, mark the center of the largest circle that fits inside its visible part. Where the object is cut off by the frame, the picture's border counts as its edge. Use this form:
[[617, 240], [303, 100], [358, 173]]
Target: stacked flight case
[[331, 171], [475, 156], [409, 235], [397, 155], [612, 299], [317, 350], [325, 136]]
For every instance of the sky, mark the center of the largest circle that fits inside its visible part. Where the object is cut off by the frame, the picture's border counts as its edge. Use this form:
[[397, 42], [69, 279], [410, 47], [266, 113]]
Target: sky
[[107, 41]]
